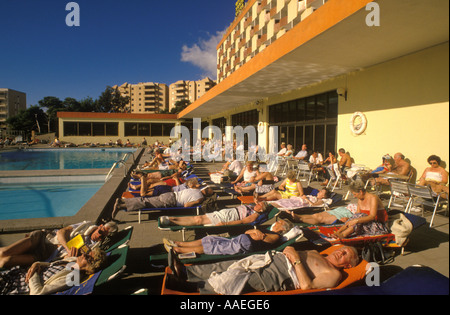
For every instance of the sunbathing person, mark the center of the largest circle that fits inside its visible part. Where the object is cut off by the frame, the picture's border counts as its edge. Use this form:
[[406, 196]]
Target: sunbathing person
[[47, 278], [247, 175], [251, 241], [401, 168], [320, 200], [161, 187], [243, 214], [326, 217], [186, 198], [259, 273], [435, 176], [42, 245], [262, 182], [290, 187], [365, 221]]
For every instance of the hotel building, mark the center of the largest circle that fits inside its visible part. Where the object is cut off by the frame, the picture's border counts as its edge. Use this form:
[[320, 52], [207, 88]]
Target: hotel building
[[369, 77]]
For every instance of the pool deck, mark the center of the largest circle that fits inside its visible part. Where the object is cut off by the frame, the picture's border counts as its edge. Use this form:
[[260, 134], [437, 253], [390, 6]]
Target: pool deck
[[427, 246]]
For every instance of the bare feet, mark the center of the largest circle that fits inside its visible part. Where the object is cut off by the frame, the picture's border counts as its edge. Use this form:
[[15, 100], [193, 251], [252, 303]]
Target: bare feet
[[117, 207]]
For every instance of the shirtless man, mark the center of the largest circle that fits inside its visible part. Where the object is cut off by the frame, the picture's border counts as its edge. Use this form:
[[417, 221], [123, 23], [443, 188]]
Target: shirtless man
[[312, 271], [401, 168], [345, 161]]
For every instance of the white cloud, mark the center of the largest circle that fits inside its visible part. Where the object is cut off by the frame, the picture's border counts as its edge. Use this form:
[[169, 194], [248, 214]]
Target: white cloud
[[204, 54]]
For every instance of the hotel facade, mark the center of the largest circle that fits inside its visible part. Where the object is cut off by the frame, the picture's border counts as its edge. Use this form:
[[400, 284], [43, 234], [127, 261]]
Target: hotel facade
[[369, 77]]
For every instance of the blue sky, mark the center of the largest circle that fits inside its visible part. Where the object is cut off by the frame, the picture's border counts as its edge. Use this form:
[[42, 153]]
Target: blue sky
[[117, 41]]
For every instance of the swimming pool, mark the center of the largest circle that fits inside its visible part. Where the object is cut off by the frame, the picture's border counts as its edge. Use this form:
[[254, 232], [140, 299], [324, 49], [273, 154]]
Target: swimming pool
[[45, 200], [60, 159]]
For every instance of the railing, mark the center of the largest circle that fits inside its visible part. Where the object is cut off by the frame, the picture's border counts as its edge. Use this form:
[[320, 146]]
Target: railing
[[123, 162]]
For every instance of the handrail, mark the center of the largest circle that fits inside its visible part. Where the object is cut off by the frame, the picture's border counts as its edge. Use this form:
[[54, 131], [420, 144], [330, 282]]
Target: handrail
[[114, 166], [122, 161]]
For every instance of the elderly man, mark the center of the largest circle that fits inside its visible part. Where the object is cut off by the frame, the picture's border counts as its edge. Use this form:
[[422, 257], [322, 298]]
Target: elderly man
[[271, 272], [401, 168], [302, 154], [186, 198]]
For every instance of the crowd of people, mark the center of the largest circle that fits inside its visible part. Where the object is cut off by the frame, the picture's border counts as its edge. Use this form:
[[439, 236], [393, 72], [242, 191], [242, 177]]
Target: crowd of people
[[36, 264]]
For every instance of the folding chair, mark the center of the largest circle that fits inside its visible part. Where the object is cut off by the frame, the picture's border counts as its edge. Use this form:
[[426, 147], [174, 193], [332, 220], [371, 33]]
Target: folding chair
[[304, 171], [423, 195], [399, 190], [336, 176]]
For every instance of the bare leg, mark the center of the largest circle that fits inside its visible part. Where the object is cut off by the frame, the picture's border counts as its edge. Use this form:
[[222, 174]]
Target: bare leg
[[15, 254], [190, 221]]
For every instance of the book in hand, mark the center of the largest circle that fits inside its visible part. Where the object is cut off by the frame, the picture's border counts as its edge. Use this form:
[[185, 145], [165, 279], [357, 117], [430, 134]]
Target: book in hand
[[78, 243]]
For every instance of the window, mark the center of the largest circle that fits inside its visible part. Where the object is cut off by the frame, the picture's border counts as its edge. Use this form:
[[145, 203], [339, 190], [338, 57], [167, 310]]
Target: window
[[311, 120], [112, 129], [131, 130], [156, 130], [83, 129], [70, 129]]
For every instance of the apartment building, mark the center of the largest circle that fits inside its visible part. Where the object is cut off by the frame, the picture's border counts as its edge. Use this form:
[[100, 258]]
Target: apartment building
[[11, 102], [145, 98], [152, 98], [258, 24], [189, 90]]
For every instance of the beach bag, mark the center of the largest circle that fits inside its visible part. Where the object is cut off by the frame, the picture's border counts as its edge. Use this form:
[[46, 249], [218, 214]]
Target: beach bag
[[375, 252]]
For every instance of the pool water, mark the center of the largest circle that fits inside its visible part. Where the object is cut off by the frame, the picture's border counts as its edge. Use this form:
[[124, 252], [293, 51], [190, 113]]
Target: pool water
[[27, 201], [59, 159]]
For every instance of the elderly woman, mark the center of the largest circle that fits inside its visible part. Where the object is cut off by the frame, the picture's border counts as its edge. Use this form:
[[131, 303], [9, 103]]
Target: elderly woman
[[43, 245], [47, 278], [435, 176], [365, 221]]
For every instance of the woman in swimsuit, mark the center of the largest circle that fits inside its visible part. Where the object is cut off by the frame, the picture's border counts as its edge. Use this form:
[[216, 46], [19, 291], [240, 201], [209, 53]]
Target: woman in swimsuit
[[291, 186], [435, 176], [365, 221]]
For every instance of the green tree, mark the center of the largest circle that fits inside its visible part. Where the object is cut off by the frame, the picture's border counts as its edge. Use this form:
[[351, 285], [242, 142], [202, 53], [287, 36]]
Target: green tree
[[111, 101], [52, 105], [33, 118], [180, 106]]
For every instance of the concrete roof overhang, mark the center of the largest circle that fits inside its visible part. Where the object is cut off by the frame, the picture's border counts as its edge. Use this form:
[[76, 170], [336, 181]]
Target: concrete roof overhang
[[334, 40]]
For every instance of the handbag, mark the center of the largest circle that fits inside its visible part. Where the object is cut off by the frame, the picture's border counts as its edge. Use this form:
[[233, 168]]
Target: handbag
[[375, 252]]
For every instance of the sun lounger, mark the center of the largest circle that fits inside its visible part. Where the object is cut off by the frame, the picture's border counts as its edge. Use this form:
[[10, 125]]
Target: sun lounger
[[203, 258], [216, 229], [414, 280], [349, 277], [117, 264], [119, 239], [321, 235]]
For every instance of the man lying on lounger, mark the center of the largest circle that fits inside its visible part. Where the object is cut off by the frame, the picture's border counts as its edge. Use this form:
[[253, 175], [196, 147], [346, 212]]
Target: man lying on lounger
[[185, 198], [243, 214], [251, 241], [266, 273]]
